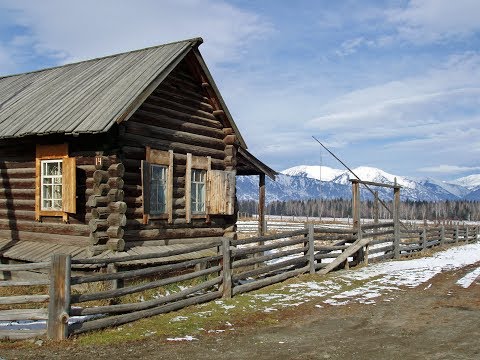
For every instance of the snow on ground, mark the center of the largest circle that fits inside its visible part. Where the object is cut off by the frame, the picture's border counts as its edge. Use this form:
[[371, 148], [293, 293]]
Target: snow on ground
[[367, 284], [468, 279], [185, 338]]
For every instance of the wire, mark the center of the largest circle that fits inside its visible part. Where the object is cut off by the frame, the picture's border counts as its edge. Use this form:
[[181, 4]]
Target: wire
[[368, 187]]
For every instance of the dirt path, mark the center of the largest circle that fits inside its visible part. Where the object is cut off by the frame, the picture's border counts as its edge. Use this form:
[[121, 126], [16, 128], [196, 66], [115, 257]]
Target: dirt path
[[437, 320]]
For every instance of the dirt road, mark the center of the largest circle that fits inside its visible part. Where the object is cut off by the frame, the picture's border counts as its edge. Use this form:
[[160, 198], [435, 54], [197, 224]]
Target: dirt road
[[437, 320]]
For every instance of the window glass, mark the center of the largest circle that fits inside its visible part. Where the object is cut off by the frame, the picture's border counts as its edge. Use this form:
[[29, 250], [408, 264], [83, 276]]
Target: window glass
[[51, 185], [158, 188], [198, 191]]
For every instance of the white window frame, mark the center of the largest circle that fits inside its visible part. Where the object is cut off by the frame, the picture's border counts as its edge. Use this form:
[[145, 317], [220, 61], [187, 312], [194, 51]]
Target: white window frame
[[157, 185], [198, 191], [52, 184]]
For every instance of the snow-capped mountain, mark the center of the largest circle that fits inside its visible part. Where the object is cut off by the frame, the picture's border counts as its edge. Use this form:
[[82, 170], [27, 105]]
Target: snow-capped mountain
[[287, 187], [373, 174], [302, 182], [323, 173], [471, 182]]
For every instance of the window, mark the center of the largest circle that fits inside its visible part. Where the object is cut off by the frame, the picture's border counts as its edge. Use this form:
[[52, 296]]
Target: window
[[56, 182], [207, 192], [198, 191], [51, 185], [158, 189], [157, 185]]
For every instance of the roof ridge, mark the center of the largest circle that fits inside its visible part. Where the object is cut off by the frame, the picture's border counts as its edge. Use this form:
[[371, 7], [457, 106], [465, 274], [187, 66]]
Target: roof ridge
[[194, 41]]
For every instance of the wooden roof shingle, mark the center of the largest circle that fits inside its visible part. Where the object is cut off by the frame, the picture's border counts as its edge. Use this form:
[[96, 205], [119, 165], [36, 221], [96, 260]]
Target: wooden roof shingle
[[85, 97]]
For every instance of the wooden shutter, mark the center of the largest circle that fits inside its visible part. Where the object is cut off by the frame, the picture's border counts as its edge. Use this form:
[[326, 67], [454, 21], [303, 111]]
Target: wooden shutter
[[146, 176], [170, 187], [69, 185], [188, 189], [221, 192]]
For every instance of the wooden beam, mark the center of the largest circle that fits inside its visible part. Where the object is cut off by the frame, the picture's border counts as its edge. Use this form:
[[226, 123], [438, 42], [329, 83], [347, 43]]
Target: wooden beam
[[261, 205]]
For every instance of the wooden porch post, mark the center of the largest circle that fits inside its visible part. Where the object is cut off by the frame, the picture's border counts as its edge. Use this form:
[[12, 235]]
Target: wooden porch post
[[261, 205]]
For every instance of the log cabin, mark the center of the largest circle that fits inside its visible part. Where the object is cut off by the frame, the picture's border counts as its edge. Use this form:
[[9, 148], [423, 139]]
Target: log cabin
[[118, 154]]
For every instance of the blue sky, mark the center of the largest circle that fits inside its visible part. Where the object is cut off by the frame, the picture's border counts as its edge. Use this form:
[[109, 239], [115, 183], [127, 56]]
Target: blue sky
[[389, 84]]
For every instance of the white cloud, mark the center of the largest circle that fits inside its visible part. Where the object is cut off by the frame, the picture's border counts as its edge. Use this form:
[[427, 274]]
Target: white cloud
[[424, 21], [75, 30], [407, 102], [350, 46]]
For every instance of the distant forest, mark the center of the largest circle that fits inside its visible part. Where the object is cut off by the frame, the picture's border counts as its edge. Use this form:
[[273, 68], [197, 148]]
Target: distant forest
[[341, 208]]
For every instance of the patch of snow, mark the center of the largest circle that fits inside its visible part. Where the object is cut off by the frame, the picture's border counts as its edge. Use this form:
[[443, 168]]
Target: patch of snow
[[179, 318], [186, 338], [468, 279]]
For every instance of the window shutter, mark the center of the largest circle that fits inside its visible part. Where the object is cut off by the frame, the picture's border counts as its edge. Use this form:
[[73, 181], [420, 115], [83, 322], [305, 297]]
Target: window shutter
[[188, 189], [170, 187], [146, 176], [69, 185], [221, 192]]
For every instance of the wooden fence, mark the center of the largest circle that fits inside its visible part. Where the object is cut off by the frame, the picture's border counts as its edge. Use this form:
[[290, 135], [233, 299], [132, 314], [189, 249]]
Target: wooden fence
[[123, 294], [31, 305]]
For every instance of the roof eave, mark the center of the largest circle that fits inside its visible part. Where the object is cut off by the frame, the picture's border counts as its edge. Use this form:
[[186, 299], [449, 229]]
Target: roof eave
[[257, 164]]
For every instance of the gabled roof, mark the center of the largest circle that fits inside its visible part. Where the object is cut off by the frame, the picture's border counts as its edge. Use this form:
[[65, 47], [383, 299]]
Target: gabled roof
[[90, 96]]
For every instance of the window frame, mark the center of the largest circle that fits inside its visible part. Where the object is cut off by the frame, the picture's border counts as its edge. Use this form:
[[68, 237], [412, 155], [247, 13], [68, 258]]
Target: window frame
[[155, 157], [53, 184], [160, 183], [196, 163], [56, 152], [199, 192]]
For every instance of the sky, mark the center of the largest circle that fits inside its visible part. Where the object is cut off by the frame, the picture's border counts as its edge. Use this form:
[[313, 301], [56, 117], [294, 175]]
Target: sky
[[388, 84]]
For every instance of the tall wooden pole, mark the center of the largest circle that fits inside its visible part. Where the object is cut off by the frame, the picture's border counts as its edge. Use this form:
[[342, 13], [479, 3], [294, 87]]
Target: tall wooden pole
[[375, 208], [261, 205], [396, 219], [357, 226]]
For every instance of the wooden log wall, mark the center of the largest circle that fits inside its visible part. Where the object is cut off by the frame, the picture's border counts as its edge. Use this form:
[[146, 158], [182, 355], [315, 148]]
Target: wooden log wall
[[17, 194], [107, 208], [180, 115]]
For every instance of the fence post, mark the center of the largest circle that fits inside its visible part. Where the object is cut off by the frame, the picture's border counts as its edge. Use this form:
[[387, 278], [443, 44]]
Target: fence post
[[442, 235], [116, 283], [466, 234], [59, 304], [396, 221], [227, 268], [311, 248], [456, 234], [358, 257], [424, 239]]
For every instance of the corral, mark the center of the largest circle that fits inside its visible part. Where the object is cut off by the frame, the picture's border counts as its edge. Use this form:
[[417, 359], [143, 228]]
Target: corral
[[238, 266]]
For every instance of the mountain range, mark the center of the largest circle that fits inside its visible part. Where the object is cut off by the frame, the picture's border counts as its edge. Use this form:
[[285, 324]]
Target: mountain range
[[311, 182]]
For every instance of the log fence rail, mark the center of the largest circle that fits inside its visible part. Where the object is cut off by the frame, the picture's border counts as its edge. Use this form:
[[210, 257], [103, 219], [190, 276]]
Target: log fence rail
[[124, 293]]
